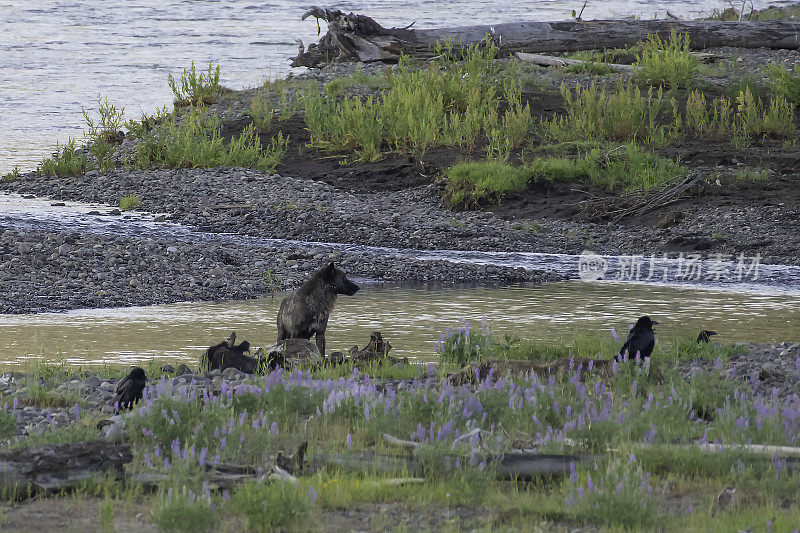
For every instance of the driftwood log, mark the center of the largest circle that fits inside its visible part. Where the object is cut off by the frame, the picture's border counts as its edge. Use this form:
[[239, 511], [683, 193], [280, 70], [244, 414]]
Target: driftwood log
[[59, 466], [353, 37], [511, 465], [376, 351]]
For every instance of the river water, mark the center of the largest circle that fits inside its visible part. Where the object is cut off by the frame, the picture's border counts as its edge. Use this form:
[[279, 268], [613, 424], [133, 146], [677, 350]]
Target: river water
[[411, 318], [762, 308], [56, 57]]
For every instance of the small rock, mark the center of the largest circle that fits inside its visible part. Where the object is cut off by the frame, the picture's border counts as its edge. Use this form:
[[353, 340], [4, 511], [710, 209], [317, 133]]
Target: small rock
[[135, 283]]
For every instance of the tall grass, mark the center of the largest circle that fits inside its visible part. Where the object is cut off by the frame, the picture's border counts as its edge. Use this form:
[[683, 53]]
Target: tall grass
[[196, 89], [66, 161], [101, 133], [623, 168], [622, 114], [195, 141], [451, 103], [783, 83], [666, 62]]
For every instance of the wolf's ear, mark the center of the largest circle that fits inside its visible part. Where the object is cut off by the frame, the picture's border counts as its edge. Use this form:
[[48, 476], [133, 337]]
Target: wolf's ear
[[329, 271]]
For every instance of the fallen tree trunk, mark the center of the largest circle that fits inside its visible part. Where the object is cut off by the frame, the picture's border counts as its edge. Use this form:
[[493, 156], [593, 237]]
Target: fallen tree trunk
[[511, 465], [59, 466], [356, 37], [552, 61]]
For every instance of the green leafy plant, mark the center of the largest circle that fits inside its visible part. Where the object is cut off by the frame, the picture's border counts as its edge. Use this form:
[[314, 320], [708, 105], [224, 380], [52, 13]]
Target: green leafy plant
[[460, 346], [11, 176], [66, 161], [129, 202], [196, 89], [666, 62], [102, 134], [261, 113]]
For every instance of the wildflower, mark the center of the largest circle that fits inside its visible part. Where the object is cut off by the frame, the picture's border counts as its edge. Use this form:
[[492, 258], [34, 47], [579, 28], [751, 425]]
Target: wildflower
[[222, 444], [312, 494], [147, 460], [615, 335], [166, 464], [349, 441], [76, 410], [273, 428], [201, 459], [225, 495]]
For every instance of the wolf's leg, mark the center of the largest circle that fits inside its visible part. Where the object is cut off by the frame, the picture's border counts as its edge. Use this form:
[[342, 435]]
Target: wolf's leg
[[320, 338]]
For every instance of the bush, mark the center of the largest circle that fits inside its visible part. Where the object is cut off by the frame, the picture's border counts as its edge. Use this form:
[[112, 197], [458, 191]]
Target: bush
[[666, 62], [270, 507], [624, 114], [185, 512], [470, 184], [782, 83], [126, 203], [461, 346], [261, 113], [195, 141], [102, 134], [196, 89], [66, 161]]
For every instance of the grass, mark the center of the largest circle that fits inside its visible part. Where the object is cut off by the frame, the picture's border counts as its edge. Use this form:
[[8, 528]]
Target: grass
[[101, 133], [11, 177], [196, 89], [639, 412], [129, 202], [66, 161], [666, 62], [474, 183], [625, 167], [195, 141], [261, 113], [451, 103], [783, 83]]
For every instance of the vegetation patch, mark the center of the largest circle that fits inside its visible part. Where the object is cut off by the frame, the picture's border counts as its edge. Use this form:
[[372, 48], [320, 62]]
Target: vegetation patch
[[127, 203], [666, 63], [196, 89], [66, 161]]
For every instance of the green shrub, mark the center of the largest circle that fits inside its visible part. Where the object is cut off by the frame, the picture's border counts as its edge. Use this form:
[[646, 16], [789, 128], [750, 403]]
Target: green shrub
[[66, 161], [8, 424], [624, 114], [666, 62], [448, 104], [185, 511], [11, 177], [626, 167], [270, 507], [126, 203], [470, 184], [196, 89], [461, 346], [102, 134], [261, 113], [195, 141]]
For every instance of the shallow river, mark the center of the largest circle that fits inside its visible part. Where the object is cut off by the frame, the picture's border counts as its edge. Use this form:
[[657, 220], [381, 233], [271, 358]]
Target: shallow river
[[410, 318], [56, 57]]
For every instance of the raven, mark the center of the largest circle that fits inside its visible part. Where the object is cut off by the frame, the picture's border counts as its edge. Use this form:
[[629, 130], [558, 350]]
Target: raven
[[129, 390], [704, 335], [641, 340]]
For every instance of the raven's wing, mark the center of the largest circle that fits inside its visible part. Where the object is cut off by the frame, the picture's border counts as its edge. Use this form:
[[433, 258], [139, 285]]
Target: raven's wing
[[627, 345]]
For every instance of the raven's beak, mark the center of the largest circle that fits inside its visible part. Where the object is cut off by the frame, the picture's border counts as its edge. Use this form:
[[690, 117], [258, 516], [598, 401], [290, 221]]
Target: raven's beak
[[654, 322]]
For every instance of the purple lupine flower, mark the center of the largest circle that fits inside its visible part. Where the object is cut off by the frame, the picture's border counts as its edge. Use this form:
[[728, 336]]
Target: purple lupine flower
[[458, 463], [312, 494], [147, 460], [76, 411], [632, 459], [222, 443], [619, 488], [157, 451], [349, 441], [166, 464], [615, 335], [580, 492], [573, 474], [273, 428], [201, 459], [176, 447]]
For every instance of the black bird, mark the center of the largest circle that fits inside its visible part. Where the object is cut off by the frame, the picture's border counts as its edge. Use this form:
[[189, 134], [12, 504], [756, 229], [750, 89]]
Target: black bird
[[704, 335], [129, 390], [641, 340]]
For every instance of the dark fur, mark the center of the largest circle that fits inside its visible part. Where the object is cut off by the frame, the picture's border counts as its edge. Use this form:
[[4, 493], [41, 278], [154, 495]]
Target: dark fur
[[704, 335], [305, 313], [239, 361], [130, 389], [641, 340], [214, 356]]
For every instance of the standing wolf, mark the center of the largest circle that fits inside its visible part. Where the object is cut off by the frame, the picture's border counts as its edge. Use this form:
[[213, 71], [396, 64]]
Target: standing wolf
[[306, 312]]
